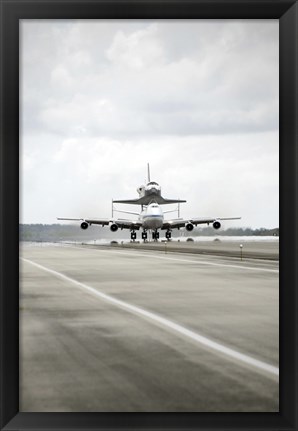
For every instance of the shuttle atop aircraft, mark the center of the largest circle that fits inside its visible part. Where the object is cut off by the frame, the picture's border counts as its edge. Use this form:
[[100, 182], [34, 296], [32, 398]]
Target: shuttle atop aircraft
[[151, 190], [151, 216]]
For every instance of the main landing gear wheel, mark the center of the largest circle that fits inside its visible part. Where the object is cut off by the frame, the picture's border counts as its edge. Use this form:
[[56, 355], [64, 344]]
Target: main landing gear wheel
[[133, 235], [168, 234], [144, 235], [155, 235]]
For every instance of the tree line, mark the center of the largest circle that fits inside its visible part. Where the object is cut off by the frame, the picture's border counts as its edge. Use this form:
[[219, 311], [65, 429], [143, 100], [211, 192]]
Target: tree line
[[58, 232]]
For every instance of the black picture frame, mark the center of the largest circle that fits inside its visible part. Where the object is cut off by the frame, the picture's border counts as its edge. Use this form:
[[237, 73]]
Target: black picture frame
[[286, 11]]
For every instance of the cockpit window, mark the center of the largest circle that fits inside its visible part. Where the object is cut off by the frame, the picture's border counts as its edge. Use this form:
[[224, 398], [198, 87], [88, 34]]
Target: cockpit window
[[152, 183]]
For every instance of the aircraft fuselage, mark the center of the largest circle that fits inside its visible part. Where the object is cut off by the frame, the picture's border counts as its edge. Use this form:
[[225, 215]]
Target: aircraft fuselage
[[152, 217]]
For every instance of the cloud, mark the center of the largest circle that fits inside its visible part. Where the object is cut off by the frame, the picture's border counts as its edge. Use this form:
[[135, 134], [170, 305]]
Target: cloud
[[61, 77], [139, 50], [197, 99], [226, 84], [217, 175]]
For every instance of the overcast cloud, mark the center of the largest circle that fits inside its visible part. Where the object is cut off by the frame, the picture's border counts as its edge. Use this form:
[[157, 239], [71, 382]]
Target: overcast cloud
[[197, 99]]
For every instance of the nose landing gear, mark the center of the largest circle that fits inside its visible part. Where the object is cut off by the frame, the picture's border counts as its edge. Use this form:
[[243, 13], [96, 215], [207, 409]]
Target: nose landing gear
[[155, 235]]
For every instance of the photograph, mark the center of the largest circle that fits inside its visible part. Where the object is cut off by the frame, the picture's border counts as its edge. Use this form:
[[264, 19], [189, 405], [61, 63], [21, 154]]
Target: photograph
[[149, 215]]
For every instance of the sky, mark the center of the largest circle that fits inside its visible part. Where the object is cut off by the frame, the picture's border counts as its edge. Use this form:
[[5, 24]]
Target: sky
[[197, 99]]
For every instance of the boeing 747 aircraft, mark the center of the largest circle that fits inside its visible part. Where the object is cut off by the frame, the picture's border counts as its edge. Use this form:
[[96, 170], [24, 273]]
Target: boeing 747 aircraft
[[151, 218]]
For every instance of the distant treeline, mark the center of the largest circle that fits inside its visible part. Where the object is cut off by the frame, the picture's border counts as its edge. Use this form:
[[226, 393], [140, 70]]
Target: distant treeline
[[58, 232], [236, 231]]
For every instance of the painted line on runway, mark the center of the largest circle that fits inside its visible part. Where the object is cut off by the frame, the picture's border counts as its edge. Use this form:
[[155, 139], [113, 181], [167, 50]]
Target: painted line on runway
[[218, 264], [203, 262], [165, 322]]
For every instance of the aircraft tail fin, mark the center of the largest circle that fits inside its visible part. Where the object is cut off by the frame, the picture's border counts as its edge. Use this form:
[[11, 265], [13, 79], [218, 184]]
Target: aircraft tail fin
[[148, 172]]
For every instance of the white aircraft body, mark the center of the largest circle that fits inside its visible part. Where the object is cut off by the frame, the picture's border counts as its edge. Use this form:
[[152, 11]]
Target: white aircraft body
[[151, 218]]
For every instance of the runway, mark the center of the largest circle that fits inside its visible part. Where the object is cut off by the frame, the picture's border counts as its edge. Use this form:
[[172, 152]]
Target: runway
[[256, 249], [109, 329]]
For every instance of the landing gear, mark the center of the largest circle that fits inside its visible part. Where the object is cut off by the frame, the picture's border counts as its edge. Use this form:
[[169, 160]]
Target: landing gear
[[133, 235], [168, 234], [144, 235], [155, 235]]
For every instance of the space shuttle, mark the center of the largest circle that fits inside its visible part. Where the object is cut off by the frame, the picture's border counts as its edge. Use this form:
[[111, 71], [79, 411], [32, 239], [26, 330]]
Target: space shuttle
[[148, 193]]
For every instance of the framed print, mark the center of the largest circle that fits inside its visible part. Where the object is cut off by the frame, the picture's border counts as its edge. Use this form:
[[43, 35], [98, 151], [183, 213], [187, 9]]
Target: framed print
[[148, 320]]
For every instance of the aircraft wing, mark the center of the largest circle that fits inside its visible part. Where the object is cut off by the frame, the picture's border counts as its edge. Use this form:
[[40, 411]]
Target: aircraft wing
[[121, 223], [163, 201], [102, 222], [128, 224], [177, 223], [207, 220], [174, 224], [140, 201]]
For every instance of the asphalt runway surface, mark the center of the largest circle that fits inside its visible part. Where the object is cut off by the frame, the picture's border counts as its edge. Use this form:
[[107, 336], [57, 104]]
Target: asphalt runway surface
[[259, 249], [125, 330]]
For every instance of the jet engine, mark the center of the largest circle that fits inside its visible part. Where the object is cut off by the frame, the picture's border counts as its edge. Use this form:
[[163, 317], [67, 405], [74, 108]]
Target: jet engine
[[189, 227], [84, 225], [216, 224], [114, 227]]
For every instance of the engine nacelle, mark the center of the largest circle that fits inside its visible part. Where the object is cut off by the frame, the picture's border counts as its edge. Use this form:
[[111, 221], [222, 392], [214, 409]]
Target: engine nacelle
[[189, 227], [114, 227], [216, 224], [84, 225]]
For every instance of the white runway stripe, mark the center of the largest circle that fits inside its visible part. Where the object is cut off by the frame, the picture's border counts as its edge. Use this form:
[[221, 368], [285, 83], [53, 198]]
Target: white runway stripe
[[204, 262], [166, 323]]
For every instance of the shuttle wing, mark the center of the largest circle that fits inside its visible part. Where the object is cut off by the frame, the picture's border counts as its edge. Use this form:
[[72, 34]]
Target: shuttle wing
[[146, 200], [140, 201]]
